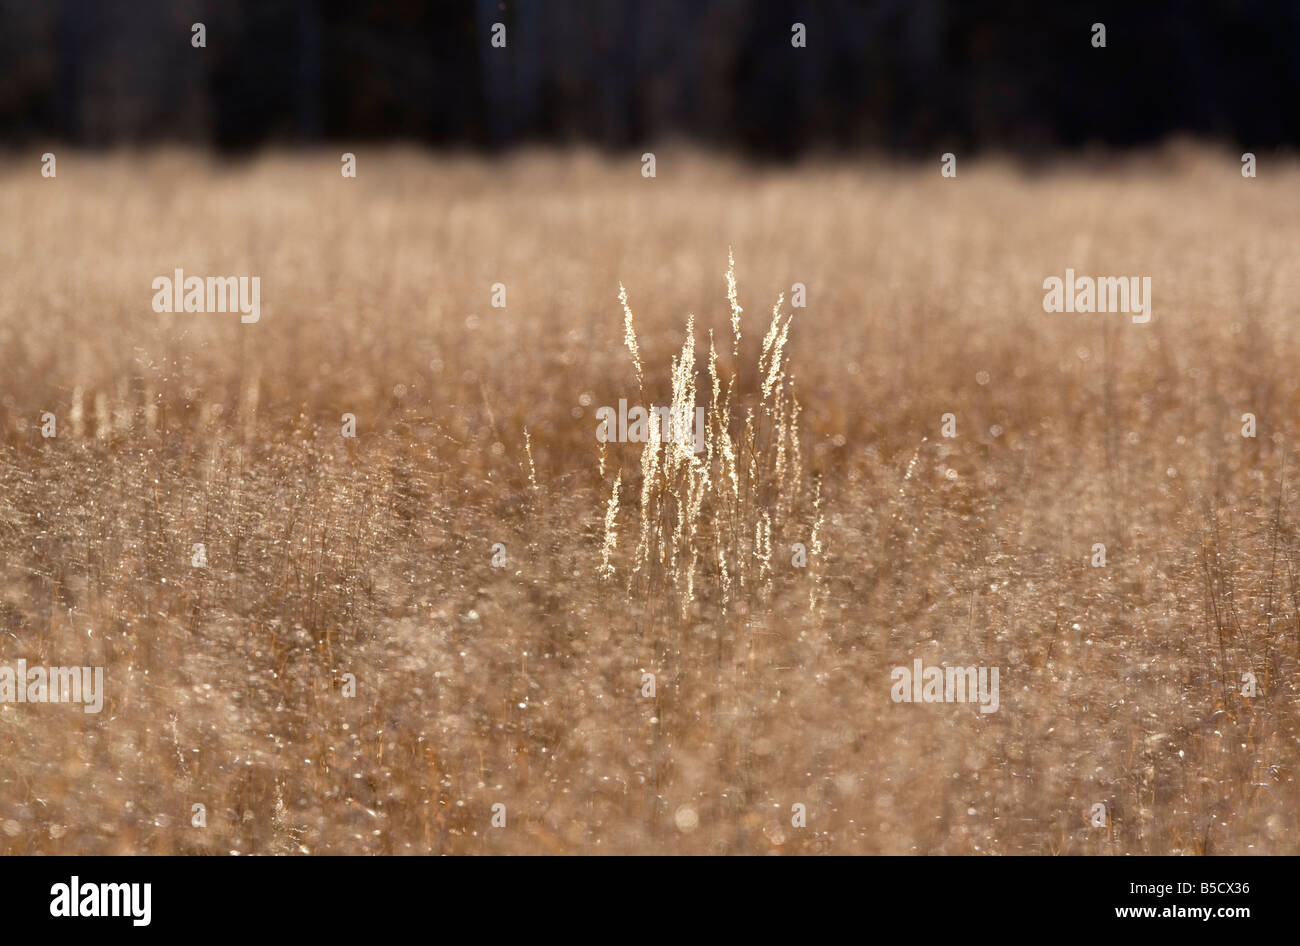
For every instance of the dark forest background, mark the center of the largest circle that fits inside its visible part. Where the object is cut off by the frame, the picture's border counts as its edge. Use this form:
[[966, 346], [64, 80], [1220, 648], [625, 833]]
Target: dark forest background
[[904, 76]]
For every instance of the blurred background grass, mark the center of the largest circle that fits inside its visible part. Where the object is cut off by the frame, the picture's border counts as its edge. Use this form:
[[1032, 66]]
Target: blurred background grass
[[521, 685]]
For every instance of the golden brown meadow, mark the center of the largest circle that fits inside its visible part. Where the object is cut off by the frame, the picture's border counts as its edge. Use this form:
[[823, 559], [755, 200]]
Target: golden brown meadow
[[476, 425]]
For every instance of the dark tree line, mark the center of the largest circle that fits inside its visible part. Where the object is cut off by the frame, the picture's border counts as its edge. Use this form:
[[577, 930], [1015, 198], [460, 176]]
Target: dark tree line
[[907, 76]]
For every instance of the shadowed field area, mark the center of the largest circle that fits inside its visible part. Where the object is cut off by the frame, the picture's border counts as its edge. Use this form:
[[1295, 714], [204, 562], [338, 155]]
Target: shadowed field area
[[523, 682]]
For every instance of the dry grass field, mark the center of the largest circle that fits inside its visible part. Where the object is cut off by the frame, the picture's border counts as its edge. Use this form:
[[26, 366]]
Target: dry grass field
[[522, 685]]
